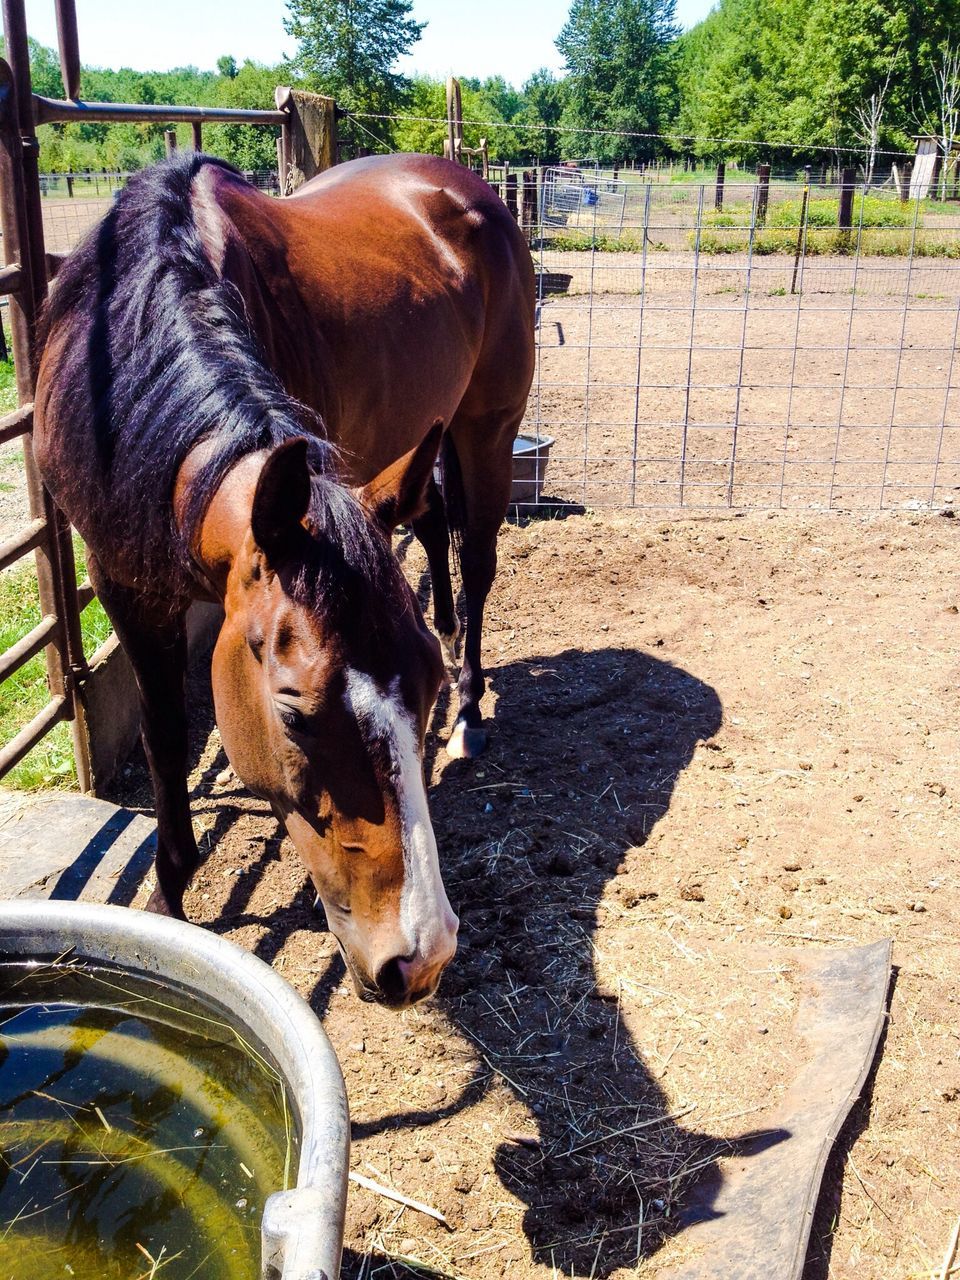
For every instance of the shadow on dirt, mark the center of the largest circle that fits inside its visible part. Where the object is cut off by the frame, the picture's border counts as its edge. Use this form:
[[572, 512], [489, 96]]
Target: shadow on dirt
[[582, 764], [580, 768]]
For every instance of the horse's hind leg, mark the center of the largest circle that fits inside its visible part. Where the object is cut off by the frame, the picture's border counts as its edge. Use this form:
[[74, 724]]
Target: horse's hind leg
[[432, 533], [484, 450], [155, 642]]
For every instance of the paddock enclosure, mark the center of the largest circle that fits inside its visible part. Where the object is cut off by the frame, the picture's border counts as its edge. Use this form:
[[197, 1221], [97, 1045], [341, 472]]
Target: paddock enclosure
[[718, 742], [723, 693], [695, 359]]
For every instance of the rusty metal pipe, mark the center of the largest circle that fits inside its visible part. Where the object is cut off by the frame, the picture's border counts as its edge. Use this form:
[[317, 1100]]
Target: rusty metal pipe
[[52, 110], [56, 710], [69, 42], [21, 221], [27, 647]]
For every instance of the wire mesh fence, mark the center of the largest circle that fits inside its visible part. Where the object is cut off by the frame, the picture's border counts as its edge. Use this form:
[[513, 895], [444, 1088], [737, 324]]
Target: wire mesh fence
[[721, 348], [75, 202], [744, 350]]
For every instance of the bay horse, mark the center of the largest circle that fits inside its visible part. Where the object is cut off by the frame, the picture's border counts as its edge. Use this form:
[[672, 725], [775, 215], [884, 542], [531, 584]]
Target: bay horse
[[240, 399]]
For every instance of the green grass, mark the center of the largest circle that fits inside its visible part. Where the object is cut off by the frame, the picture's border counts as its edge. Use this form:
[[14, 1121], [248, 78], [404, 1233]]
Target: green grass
[[24, 694], [721, 238], [724, 218], [8, 381], [82, 190], [707, 176], [875, 242], [869, 211], [573, 241]]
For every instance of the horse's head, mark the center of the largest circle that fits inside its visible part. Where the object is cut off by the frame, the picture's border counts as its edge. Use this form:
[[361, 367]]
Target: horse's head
[[324, 677]]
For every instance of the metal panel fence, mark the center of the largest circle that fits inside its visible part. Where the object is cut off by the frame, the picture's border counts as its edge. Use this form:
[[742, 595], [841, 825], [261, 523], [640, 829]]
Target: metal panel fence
[[693, 357], [31, 247], [750, 355], [72, 203]]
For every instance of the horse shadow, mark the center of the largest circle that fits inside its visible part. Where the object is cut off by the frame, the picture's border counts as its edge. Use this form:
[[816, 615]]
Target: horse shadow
[[581, 767]]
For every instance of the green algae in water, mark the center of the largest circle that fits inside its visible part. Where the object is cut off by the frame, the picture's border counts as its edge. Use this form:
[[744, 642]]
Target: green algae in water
[[140, 1135]]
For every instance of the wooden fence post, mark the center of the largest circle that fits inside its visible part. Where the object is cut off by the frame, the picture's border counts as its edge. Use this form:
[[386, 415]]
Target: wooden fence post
[[169, 141], [308, 142], [763, 193], [511, 200], [197, 128], [845, 217], [454, 119], [528, 206], [721, 175], [281, 167]]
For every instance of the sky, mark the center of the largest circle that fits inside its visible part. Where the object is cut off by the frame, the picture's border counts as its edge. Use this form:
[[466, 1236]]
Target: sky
[[481, 38]]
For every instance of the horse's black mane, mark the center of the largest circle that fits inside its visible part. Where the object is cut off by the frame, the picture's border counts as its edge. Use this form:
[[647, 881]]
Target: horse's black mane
[[161, 352]]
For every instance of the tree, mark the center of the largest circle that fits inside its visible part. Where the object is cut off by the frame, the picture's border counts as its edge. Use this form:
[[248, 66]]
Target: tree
[[227, 66], [347, 49], [869, 115], [850, 75], [542, 109], [246, 147], [426, 130], [945, 115], [621, 74]]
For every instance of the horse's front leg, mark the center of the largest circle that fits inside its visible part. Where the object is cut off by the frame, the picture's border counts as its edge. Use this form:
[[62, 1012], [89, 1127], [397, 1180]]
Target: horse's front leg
[[154, 639]]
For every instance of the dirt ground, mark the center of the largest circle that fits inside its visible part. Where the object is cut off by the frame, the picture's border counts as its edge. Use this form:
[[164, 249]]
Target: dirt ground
[[660, 390], [709, 734]]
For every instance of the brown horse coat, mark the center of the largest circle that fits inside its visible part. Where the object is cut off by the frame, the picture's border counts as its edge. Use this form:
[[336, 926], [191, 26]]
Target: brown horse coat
[[240, 397]]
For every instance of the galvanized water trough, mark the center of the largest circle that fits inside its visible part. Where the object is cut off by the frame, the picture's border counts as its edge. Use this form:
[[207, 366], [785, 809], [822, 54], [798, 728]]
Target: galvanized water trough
[[302, 1229], [530, 455]]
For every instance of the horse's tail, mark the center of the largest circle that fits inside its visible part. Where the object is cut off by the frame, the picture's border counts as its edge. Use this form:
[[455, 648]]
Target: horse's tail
[[454, 496]]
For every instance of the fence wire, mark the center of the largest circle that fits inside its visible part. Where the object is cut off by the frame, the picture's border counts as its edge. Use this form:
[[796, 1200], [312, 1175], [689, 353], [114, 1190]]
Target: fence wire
[[692, 356], [696, 356]]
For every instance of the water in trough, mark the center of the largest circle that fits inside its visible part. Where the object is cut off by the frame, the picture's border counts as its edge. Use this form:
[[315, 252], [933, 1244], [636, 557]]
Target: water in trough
[[140, 1135]]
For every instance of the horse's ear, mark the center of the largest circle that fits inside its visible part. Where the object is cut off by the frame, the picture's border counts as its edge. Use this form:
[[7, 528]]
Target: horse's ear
[[399, 493], [281, 498]]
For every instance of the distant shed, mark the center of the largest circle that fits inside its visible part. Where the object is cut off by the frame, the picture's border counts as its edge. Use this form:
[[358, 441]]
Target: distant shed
[[926, 167]]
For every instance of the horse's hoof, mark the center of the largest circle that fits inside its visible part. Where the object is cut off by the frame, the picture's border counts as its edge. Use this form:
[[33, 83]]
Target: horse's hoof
[[466, 743], [158, 905]]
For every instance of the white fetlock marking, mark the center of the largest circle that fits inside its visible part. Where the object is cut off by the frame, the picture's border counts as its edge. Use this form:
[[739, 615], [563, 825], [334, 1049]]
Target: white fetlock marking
[[449, 643], [456, 747]]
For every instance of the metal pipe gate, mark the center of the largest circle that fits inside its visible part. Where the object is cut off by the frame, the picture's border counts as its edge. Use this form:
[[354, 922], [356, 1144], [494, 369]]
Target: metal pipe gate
[[23, 278]]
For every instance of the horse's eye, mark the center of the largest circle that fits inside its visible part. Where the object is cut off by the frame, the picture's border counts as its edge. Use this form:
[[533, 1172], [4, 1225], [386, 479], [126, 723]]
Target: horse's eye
[[293, 719]]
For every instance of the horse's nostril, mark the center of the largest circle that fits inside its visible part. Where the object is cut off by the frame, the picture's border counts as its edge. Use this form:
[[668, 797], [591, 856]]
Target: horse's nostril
[[392, 981]]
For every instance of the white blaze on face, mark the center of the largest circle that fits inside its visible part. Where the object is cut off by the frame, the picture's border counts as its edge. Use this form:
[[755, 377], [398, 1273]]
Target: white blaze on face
[[426, 916]]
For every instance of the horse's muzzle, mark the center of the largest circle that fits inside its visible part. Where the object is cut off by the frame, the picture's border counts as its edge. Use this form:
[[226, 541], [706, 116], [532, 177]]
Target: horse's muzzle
[[402, 980]]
